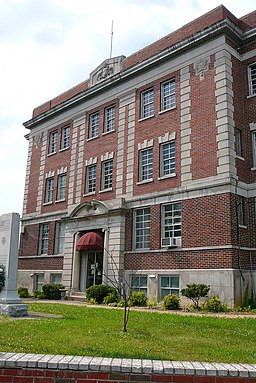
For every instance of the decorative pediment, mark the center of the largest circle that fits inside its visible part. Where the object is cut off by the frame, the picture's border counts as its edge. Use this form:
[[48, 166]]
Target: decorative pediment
[[105, 70], [91, 208]]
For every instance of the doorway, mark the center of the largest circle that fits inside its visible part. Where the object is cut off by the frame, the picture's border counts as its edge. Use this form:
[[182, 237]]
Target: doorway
[[91, 267]]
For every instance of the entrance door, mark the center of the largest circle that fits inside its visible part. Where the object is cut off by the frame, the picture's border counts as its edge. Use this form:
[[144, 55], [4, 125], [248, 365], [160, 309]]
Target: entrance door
[[94, 268]]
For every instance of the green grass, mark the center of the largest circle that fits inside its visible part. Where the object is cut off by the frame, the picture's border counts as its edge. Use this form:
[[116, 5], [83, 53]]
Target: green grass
[[98, 332]]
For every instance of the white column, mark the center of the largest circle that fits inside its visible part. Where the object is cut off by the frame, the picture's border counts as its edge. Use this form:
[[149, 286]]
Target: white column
[[105, 257]]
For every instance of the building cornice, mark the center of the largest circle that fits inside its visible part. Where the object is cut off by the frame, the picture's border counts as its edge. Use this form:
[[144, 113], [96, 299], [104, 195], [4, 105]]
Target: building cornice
[[225, 26]]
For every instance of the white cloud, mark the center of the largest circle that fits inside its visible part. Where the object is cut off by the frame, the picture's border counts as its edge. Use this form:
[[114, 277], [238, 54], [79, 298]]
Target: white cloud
[[48, 46]]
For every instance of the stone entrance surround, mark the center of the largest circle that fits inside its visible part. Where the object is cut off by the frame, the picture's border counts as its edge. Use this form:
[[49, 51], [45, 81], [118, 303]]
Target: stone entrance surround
[[40, 368]]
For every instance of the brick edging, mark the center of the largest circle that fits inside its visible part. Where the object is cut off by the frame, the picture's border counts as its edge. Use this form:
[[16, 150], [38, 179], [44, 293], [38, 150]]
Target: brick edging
[[136, 366]]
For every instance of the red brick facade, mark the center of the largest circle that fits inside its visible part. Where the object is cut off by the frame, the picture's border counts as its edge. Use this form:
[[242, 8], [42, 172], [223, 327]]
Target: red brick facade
[[195, 147]]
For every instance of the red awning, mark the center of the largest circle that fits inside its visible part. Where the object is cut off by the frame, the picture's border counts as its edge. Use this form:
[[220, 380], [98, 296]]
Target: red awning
[[90, 241]]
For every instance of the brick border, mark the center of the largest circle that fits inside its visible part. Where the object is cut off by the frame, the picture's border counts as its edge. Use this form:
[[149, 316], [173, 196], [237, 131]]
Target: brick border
[[130, 366]]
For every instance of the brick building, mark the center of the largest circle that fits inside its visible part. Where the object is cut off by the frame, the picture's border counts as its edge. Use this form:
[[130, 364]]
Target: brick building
[[149, 168]]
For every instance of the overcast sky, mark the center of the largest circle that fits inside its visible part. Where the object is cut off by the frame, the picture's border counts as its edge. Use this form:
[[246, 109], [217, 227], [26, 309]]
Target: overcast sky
[[48, 46]]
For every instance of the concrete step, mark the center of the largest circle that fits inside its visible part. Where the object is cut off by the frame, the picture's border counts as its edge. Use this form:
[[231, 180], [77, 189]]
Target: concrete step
[[77, 296]]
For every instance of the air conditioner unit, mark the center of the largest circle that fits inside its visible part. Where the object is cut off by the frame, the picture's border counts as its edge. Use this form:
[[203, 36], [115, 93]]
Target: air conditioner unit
[[170, 242]]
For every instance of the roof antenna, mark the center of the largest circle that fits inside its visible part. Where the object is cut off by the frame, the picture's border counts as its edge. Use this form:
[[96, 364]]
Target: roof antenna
[[111, 41]]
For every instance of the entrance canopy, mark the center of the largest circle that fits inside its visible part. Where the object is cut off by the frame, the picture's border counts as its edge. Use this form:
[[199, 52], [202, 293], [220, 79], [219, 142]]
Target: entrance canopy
[[90, 241]]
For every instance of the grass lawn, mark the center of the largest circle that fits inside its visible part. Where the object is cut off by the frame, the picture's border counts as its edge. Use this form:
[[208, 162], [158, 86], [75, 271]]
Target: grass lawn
[[98, 332]]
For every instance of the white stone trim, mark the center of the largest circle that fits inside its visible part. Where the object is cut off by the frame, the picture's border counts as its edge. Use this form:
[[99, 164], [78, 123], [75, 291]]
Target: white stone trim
[[62, 170], [25, 199], [167, 137], [72, 168], [146, 144], [80, 159], [91, 161], [50, 174], [107, 156], [41, 173]]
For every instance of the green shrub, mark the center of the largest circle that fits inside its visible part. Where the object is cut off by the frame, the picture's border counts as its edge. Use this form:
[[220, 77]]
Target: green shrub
[[121, 303], [52, 291], [171, 302], [215, 305], [152, 303], [138, 298], [195, 292], [23, 292], [110, 298], [99, 292], [246, 296], [38, 294]]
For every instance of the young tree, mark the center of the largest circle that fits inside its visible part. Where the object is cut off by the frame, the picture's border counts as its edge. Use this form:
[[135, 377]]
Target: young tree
[[195, 292]]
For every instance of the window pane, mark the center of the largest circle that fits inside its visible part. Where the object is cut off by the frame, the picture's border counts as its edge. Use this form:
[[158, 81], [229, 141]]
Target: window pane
[[49, 190], [171, 220], [61, 193], [90, 179], [147, 103], [146, 164], [168, 95], [107, 174], [109, 123], [142, 228], [65, 137], [167, 166], [53, 141], [94, 125], [252, 79], [44, 238]]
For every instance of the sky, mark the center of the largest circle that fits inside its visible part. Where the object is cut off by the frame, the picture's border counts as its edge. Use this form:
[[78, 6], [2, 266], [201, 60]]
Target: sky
[[49, 46]]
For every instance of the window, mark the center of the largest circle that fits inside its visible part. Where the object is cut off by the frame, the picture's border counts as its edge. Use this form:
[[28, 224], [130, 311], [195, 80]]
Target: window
[[140, 283], [240, 210], [56, 278], [109, 119], [171, 220], [169, 285], [142, 228], [167, 159], [238, 142], [107, 174], [61, 191], [49, 186], [254, 148], [44, 238], [168, 95], [94, 125], [90, 185], [252, 79], [65, 135], [147, 103], [53, 141], [146, 164], [59, 238], [38, 281]]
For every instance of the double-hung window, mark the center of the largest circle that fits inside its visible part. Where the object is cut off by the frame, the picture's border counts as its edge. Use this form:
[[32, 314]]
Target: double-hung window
[[147, 103], [146, 164], [238, 142], [252, 79], [140, 283], [240, 210], [44, 238], [254, 148], [94, 122], [53, 142], [65, 137], [109, 119], [61, 190], [142, 228], [38, 281], [169, 285], [107, 174], [90, 181], [167, 159], [168, 95], [171, 220], [49, 186], [59, 238]]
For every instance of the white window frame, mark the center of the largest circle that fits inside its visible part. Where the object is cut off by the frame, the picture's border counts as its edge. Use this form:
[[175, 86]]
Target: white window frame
[[147, 103], [171, 219], [38, 284], [141, 285], [56, 275], [142, 229], [44, 238], [109, 119], [53, 142], [146, 164], [172, 289], [107, 175], [240, 210], [59, 238], [90, 179], [252, 79], [168, 95], [238, 142], [61, 187], [94, 123], [65, 137], [49, 189], [254, 148], [167, 159]]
